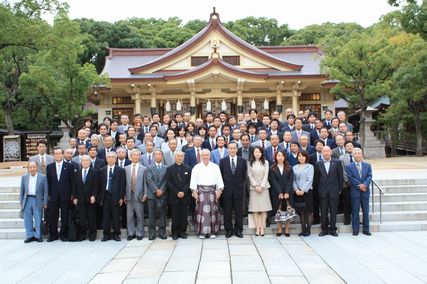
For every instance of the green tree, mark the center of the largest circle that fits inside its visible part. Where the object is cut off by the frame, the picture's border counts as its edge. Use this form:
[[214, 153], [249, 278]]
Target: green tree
[[362, 65], [413, 16]]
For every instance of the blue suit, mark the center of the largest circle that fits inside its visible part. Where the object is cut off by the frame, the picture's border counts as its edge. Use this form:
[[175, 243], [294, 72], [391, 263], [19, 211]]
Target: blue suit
[[358, 197], [190, 158], [215, 156]]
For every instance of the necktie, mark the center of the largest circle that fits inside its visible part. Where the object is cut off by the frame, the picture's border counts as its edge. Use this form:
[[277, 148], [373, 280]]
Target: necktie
[[149, 160], [198, 155], [110, 179], [274, 152], [121, 164], [252, 138], [341, 151], [263, 144], [133, 179], [299, 135], [226, 140], [158, 168], [320, 157], [233, 166], [93, 164], [351, 158], [359, 169], [84, 176], [212, 144], [43, 165]]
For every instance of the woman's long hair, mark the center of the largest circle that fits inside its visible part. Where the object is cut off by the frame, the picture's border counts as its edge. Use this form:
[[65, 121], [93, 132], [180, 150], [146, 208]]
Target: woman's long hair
[[252, 157], [286, 165]]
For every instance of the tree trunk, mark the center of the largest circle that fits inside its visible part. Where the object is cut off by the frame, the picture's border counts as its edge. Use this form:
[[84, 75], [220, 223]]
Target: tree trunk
[[362, 127], [394, 141], [8, 121], [418, 133]]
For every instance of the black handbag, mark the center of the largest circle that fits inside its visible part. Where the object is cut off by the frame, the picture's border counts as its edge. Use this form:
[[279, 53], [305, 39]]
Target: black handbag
[[285, 216], [74, 226]]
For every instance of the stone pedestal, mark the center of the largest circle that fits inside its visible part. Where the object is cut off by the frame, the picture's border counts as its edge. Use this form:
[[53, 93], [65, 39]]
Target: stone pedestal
[[63, 143], [373, 148]]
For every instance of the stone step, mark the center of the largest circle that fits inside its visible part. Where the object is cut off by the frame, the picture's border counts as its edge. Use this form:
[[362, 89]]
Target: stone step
[[9, 213], [385, 182], [396, 197], [8, 189], [11, 223], [10, 204], [9, 196], [402, 206], [392, 216], [411, 188]]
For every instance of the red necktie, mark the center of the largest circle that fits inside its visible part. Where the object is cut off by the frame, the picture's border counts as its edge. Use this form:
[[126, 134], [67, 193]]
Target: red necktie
[[198, 155], [263, 146], [274, 152]]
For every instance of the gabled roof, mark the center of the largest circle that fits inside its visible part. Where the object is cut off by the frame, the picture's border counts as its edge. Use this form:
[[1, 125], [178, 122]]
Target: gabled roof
[[215, 24]]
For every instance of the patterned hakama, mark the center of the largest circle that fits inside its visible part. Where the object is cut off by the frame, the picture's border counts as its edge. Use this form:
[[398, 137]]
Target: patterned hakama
[[207, 211]]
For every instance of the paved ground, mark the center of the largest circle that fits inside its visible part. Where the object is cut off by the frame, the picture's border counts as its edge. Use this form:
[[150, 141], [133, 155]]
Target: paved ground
[[382, 258]]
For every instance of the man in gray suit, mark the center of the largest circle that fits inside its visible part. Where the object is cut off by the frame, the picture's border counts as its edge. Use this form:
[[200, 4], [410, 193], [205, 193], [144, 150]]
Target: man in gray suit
[[156, 139], [147, 159], [169, 156], [33, 197], [155, 189], [42, 159], [262, 142], [298, 132], [134, 196]]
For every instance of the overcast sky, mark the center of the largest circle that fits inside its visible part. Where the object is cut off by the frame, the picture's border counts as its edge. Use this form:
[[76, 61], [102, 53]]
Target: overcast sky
[[296, 13]]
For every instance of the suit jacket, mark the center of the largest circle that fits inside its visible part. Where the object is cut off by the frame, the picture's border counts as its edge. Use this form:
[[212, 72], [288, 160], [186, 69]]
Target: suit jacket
[[190, 158], [144, 159], [240, 151], [84, 190], [259, 143], [295, 135], [99, 163], [345, 160], [355, 179], [329, 183], [127, 162], [36, 158], [139, 182], [168, 159], [314, 158], [176, 182], [314, 136], [280, 183], [309, 149], [303, 178], [234, 184], [269, 153], [155, 179], [336, 152], [102, 153], [256, 138], [118, 184], [292, 160], [158, 142], [41, 190], [122, 128], [307, 128], [215, 156], [207, 145], [60, 190], [74, 164]]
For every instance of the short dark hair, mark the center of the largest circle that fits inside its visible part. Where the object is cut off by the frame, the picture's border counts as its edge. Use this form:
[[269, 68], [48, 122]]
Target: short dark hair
[[290, 116], [319, 141], [58, 148], [305, 154], [42, 141], [93, 147], [130, 138]]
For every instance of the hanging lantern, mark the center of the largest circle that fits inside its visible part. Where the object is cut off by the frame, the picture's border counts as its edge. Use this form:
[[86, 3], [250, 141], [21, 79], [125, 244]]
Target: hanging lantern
[[167, 106], [223, 105], [208, 105], [266, 104], [253, 104], [178, 105]]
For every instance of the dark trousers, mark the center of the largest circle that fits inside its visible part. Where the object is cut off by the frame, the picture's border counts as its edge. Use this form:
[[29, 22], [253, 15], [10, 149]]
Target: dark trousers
[[355, 204], [237, 204], [99, 214], [53, 208], [87, 216], [123, 216], [346, 204], [328, 205], [179, 214], [111, 212], [316, 205], [156, 210]]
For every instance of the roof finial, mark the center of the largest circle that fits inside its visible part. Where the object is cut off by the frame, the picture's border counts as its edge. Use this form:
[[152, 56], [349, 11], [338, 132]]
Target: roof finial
[[214, 10]]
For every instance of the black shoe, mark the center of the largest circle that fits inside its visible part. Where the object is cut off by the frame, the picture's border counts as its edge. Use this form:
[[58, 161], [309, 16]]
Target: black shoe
[[63, 238], [52, 239], [131, 237], [323, 233], [29, 240], [92, 239], [81, 239], [301, 234], [229, 234], [163, 237], [174, 237], [279, 234], [367, 233], [307, 233], [151, 238], [347, 223], [39, 240], [183, 236], [287, 235], [239, 235], [139, 238], [105, 238], [116, 238], [334, 234], [355, 233]]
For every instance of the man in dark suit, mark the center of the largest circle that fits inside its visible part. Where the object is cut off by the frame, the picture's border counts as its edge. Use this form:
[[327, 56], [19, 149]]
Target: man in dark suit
[[85, 190], [178, 178], [246, 149], [314, 158], [233, 170], [108, 146], [193, 155], [68, 158], [210, 142], [95, 162], [328, 178], [359, 175], [60, 181], [155, 190], [112, 185], [122, 160], [270, 151]]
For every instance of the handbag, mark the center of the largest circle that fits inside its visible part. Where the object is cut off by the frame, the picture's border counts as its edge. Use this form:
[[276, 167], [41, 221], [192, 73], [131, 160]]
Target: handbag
[[74, 227], [285, 216]]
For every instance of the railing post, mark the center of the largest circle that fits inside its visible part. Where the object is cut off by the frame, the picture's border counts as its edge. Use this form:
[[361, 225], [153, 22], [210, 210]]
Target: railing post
[[373, 201]]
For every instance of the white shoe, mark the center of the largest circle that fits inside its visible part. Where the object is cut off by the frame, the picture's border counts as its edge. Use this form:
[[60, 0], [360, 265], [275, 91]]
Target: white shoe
[[201, 236], [213, 236]]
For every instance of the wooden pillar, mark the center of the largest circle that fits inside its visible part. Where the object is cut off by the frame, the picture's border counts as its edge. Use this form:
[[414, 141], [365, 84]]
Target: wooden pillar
[[153, 104], [295, 96], [137, 102], [240, 83], [192, 89]]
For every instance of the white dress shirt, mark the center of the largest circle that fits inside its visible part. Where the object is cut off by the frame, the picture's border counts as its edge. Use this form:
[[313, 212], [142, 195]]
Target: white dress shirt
[[108, 175], [59, 169], [32, 184]]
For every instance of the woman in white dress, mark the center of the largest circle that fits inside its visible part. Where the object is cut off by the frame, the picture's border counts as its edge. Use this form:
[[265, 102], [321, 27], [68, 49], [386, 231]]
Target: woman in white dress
[[259, 195]]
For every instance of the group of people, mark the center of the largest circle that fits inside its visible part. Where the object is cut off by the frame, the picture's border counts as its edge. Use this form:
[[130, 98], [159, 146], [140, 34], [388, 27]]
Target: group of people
[[113, 175]]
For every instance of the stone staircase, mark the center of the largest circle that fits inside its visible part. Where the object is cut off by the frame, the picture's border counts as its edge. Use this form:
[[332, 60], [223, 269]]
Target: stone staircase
[[404, 206]]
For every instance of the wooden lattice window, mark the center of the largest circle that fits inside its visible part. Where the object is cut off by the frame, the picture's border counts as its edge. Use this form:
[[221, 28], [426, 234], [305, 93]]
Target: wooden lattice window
[[233, 60], [198, 60]]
